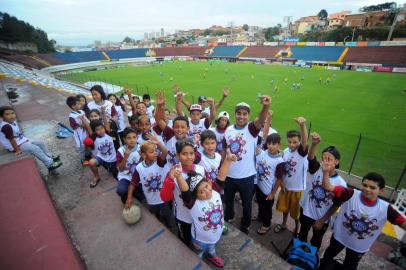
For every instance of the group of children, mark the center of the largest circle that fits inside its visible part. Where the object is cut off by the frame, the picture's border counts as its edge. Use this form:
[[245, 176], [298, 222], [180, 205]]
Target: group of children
[[185, 167], [187, 162]]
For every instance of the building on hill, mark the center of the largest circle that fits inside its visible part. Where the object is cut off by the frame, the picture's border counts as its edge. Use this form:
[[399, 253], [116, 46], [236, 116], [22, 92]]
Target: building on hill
[[306, 24], [337, 19], [355, 20]]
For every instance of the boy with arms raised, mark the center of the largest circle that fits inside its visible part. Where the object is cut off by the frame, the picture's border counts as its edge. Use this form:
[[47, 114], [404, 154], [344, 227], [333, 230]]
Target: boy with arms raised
[[317, 204], [294, 180]]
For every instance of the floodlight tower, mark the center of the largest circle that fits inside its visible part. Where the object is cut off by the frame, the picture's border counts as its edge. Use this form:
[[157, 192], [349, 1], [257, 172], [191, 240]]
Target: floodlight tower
[[231, 25], [288, 20]]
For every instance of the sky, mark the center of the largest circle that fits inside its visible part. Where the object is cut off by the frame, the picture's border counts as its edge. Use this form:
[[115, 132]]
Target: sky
[[80, 22]]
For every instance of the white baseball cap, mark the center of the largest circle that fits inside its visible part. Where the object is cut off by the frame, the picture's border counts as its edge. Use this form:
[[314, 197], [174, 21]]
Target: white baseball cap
[[223, 114], [242, 105]]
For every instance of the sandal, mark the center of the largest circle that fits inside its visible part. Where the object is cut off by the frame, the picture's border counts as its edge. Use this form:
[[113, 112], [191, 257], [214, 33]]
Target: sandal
[[94, 184], [216, 260], [263, 230], [279, 228]]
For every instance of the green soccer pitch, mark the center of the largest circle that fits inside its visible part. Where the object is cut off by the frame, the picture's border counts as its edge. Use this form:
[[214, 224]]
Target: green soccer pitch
[[352, 103]]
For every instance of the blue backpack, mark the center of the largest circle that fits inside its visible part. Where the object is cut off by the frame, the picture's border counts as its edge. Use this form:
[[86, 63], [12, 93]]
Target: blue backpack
[[302, 256]]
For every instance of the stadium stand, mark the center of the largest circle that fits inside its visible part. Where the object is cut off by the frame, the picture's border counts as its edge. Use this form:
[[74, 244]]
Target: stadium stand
[[181, 51], [21, 74], [386, 55], [316, 53], [130, 53], [76, 57], [261, 51], [226, 51]]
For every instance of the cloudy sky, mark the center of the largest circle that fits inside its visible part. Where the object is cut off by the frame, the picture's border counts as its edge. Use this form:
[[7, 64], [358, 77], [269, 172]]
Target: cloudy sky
[[80, 22]]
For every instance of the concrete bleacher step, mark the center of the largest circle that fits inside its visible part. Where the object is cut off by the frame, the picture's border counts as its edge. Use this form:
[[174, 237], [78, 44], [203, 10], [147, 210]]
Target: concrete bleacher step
[[241, 251]]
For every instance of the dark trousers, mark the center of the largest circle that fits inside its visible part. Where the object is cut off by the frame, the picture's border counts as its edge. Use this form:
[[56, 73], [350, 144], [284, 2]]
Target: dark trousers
[[111, 167], [184, 232], [351, 260], [162, 212], [264, 208], [122, 191], [306, 224], [245, 186]]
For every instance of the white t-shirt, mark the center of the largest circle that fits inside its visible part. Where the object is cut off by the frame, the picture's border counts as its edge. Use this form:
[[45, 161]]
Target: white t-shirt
[[17, 135], [296, 170], [266, 164], [120, 118], [150, 110], [210, 164], [208, 219], [316, 201], [92, 105], [198, 128], [242, 143], [181, 211], [133, 159], [79, 133], [104, 148], [358, 225], [219, 138], [151, 178]]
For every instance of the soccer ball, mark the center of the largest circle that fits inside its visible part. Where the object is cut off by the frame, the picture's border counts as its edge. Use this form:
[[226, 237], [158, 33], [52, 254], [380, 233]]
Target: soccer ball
[[132, 215]]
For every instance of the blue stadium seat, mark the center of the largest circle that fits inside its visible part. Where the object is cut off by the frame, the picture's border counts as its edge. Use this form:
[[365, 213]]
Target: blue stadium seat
[[130, 53], [317, 53], [77, 57], [226, 51]]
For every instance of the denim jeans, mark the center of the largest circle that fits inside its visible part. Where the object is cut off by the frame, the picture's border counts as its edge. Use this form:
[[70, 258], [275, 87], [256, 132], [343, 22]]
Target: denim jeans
[[245, 186], [39, 150], [200, 248]]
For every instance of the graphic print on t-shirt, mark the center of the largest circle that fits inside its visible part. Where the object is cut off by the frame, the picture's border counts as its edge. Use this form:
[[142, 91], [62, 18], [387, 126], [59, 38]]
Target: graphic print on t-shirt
[[212, 174], [213, 216], [105, 148], [290, 166], [219, 146], [361, 226], [237, 146], [153, 182], [172, 158], [131, 165], [263, 170], [319, 195]]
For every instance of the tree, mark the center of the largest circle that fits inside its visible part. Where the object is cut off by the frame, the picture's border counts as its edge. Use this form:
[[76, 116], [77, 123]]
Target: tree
[[322, 14], [270, 32], [245, 27], [128, 40], [384, 6], [14, 30]]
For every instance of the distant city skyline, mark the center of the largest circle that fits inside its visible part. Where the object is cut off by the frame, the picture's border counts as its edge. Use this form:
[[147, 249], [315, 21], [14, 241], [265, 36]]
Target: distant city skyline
[[75, 22]]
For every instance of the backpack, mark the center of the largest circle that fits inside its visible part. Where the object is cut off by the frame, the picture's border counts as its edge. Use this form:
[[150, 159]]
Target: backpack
[[302, 255]]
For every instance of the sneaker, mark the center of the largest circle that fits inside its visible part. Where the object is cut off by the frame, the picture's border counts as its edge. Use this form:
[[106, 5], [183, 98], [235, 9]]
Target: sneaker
[[56, 158], [54, 165], [216, 260]]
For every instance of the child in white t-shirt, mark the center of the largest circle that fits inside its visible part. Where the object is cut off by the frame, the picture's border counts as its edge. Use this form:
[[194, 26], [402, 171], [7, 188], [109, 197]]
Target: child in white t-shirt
[[294, 179], [210, 159], [150, 175], [317, 205], [269, 166], [128, 157], [201, 196]]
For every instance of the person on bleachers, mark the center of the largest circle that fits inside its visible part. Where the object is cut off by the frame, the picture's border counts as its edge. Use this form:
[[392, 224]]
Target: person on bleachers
[[14, 140]]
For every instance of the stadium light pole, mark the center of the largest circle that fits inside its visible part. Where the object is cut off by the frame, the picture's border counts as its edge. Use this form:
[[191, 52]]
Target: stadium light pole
[[395, 20]]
